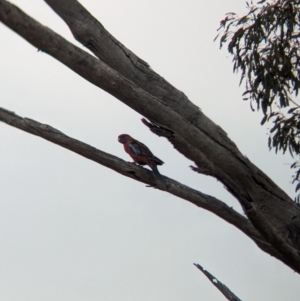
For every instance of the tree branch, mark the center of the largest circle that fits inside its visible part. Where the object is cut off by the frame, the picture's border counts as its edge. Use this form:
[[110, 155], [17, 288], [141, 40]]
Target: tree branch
[[270, 210], [91, 34], [229, 295], [138, 173]]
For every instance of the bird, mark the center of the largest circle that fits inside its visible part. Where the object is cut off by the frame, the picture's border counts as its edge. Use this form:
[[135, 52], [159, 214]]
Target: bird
[[141, 154]]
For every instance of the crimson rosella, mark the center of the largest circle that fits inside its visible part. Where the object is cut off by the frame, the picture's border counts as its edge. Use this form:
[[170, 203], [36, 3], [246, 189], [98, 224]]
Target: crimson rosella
[[141, 154]]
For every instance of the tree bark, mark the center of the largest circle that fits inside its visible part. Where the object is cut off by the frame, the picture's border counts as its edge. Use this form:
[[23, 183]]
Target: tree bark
[[122, 74]]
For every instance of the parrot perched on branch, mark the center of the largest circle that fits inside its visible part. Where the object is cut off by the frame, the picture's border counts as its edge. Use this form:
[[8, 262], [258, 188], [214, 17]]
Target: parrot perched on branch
[[141, 154]]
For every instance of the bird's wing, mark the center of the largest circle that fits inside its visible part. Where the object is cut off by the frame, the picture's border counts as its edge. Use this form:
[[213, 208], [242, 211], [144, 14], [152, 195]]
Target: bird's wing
[[157, 160], [139, 149]]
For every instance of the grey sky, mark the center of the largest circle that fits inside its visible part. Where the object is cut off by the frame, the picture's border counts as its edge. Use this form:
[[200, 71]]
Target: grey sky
[[73, 230]]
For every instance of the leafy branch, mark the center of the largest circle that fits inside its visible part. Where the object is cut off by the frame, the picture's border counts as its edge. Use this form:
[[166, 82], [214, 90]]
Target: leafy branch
[[265, 44]]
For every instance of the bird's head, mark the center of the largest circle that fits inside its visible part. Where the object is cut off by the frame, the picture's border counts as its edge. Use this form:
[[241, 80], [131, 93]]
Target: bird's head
[[123, 138]]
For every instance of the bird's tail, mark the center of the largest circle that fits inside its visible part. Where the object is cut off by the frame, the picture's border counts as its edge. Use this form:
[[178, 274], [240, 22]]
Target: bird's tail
[[158, 175]]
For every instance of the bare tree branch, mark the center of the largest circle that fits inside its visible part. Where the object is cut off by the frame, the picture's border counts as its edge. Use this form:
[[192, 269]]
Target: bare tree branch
[[268, 208], [135, 172], [229, 295]]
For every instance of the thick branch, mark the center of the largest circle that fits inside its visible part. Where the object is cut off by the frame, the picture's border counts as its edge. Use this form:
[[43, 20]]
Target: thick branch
[[91, 33], [229, 295], [270, 210], [135, 172]]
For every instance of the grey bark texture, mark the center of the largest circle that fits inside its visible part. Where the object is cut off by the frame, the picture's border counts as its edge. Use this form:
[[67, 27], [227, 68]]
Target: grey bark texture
[[272, 215]]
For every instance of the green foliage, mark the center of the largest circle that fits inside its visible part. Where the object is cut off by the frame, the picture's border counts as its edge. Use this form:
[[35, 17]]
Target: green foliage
[[265, 47]]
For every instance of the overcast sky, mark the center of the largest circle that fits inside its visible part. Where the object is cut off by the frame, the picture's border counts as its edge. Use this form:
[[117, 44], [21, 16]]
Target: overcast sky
[[71, 229]]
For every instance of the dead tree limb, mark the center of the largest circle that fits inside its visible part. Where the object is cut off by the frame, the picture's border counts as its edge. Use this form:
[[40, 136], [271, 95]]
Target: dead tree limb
[[137, 173], [229, 295]]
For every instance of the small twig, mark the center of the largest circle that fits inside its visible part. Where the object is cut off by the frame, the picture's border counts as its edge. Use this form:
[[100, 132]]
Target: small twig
[[218, 284]]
